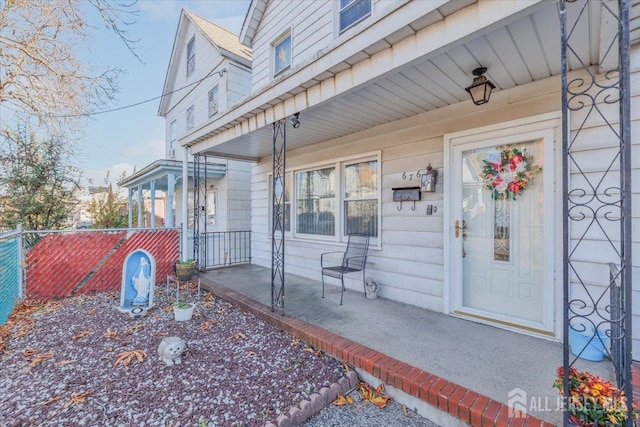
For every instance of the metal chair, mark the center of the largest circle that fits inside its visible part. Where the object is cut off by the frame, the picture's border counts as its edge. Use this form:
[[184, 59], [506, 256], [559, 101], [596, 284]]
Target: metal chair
[[353, 259]]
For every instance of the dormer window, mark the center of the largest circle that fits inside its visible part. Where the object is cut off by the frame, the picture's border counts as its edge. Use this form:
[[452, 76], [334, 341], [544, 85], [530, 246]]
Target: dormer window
[[213, 101], [282, 54], [352, 12], [191, 56]]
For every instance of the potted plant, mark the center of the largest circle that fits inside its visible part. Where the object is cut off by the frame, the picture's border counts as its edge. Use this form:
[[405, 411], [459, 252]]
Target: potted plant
[[592, 401], [185, 269], [182, 310]]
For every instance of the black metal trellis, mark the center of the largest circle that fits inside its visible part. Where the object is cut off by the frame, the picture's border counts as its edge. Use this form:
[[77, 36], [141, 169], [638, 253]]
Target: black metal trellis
[[278, 217], [199, 209], [597, 197]]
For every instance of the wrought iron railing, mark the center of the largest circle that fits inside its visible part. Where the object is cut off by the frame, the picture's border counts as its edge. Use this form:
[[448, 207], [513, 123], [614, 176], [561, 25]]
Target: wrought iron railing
[[225, 248]]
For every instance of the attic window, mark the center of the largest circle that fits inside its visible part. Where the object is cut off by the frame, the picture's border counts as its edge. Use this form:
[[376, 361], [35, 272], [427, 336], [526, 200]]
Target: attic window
[[352, 12], [282, 54], [191, 56]]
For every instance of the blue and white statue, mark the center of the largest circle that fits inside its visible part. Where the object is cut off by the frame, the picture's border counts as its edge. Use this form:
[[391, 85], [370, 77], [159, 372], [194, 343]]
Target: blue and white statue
[[138, 282]]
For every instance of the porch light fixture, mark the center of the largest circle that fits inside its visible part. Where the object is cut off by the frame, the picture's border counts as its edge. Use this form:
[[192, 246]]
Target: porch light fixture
[[295, 122], [480, 89]]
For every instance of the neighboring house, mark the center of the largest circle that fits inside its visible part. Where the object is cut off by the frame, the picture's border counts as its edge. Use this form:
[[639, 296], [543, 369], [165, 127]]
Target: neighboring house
[[380, 91], [208, 72]]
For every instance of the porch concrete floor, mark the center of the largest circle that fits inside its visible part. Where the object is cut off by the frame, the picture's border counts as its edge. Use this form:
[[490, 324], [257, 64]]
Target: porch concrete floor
[[476, 357]]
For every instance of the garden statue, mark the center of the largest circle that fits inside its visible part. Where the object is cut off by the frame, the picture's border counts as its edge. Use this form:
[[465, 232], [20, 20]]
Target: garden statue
[[138, 283], [170, 350]]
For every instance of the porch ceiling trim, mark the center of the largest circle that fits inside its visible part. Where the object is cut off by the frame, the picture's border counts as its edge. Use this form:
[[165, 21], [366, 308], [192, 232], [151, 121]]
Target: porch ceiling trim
[[161, 169], [304, 88]]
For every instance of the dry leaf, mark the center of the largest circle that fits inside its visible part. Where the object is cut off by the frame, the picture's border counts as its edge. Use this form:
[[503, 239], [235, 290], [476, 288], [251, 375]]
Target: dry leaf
[[81, 334], [346, 367], [92, 311], [404, 410], [295, 343], [53, 399], [127, 357], [207, 324], [374, 396], [343, 400], [29, 352], [135, 328], [76, 398], [39, 358], [65, 362], [112, 334], [238, 336], [251, 353]]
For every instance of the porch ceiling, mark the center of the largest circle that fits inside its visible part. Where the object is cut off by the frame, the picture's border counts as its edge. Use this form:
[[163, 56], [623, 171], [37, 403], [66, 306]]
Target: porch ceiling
[[160, 170], [518, 52]]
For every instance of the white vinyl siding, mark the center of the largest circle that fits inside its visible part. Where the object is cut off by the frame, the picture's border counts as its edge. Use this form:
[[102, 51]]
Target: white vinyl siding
[[312, 30], [408, 259]]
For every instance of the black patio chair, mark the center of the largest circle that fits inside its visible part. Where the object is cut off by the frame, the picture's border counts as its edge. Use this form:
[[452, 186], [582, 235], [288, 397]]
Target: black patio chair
[[354, 259]]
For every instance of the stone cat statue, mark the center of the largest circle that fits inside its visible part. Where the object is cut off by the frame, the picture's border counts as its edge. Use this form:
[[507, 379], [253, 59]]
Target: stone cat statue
[[170, 350]]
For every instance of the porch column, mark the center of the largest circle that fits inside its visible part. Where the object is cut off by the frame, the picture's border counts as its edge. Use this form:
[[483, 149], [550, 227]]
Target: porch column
[[171, 183], [140, 219], [153, 203], [130, 207], [185, 201], [277, 213]]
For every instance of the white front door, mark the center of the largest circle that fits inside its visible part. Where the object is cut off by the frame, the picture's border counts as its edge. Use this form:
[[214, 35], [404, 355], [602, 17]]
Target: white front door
[[501, 233]]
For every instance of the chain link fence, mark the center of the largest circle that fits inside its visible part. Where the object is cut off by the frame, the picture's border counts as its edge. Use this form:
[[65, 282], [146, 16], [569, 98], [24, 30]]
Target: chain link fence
[[10, 273]]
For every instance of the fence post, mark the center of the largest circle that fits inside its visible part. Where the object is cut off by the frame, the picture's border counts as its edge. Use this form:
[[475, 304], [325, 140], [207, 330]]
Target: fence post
[[21, 289]]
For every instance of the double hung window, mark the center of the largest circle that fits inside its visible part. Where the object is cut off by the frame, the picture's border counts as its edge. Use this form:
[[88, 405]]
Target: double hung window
[[191, 56], [352, 12]]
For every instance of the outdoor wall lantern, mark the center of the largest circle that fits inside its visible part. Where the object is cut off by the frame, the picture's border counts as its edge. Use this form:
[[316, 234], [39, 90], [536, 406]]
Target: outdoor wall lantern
[[428, 180], [295, 121], [480, 89]]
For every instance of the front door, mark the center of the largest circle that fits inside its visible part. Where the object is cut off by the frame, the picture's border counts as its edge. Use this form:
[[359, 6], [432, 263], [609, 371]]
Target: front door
[[502, 231]]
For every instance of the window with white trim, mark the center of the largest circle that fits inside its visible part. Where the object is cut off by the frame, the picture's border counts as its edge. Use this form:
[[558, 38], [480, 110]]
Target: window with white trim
[[331, 200], [190, 118], [282, 54], [361, 198], [316, 202], [191, 56], [351, 12], [213, 101], [173, 139]]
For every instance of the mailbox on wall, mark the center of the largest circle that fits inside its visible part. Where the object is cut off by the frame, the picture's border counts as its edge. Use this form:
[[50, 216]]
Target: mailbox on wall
[[406, 194]]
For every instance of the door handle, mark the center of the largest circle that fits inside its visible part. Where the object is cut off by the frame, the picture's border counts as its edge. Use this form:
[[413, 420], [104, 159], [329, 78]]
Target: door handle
[[457, 228]]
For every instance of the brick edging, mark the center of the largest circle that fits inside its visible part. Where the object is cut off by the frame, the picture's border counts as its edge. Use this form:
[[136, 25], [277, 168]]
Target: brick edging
[[467, 405]]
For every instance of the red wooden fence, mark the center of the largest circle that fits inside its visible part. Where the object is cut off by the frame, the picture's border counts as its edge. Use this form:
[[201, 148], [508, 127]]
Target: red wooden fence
[[63, 264]]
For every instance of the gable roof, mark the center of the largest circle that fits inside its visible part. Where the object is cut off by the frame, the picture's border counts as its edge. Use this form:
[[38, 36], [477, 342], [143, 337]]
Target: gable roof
[[224, 41], [220, 37], [251, 21]]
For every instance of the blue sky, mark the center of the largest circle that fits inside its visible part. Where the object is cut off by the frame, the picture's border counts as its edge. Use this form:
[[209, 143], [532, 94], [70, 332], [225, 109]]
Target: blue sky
[[120, 140]]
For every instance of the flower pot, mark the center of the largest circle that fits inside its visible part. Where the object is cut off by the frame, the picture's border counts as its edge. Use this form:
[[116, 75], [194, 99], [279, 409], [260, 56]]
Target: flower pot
[[183, 314], [185, 272], [583, 346]]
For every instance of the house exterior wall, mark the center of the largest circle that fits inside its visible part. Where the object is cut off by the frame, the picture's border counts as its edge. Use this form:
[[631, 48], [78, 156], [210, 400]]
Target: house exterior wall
[[238, 83], [409, 263], [312, 25]]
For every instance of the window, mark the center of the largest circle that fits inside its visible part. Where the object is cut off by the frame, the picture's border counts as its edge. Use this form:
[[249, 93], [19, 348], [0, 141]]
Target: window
[[330, 200], [282, 55], [173, 139], [191, 56], [316, 202], [361, 198], [213, 101], [190, 118], [211, 207], [352, 12]]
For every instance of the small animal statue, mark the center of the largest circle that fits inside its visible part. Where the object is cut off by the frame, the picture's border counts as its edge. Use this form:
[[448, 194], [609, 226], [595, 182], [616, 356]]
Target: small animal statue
[[170, 350]]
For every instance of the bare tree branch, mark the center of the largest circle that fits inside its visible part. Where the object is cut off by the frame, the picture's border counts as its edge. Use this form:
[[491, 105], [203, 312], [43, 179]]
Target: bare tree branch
[[40, 69]]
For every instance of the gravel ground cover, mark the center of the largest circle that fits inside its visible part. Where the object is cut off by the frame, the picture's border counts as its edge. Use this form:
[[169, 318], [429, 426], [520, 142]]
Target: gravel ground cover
[[81, 362]]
